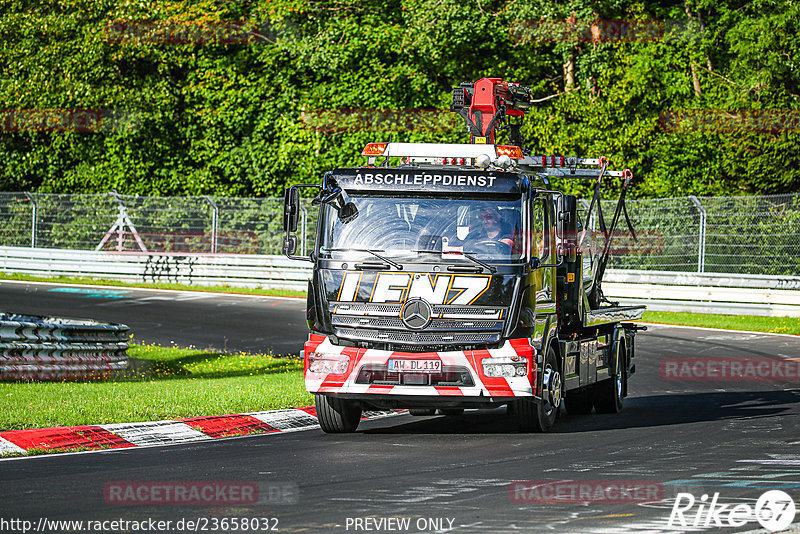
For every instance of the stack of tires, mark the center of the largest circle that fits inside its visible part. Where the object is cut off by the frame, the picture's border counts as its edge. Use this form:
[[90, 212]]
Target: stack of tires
[[55, 348]]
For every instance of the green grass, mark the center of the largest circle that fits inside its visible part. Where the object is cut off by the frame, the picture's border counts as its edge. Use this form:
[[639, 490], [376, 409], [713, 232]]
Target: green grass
[[162, 383], [178, 287], [752, 323]]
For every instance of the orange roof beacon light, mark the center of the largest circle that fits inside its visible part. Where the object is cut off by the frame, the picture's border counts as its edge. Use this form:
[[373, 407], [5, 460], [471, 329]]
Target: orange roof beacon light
[[374, 149], [513, 152]]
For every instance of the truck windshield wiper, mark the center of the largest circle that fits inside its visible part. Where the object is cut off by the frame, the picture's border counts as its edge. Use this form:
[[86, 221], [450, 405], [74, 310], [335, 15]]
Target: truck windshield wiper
[[469, 255], [374, 252]]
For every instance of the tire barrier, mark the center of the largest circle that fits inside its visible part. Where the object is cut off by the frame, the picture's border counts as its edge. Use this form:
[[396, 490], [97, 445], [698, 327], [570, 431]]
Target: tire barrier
[[54, 348]]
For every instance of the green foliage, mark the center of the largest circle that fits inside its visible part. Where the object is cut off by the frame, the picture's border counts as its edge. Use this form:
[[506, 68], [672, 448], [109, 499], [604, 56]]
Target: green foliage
[[240, 98]]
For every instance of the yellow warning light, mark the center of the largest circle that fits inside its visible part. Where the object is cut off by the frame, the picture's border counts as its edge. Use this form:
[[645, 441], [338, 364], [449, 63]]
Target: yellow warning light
[[374, 149], [513, 152]]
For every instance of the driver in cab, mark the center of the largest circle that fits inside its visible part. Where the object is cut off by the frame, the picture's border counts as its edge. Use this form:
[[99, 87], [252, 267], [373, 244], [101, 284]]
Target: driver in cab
[[492, 227]]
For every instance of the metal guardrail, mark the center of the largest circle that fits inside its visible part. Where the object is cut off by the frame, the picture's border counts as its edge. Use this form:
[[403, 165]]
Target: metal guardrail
[[238, 270], [54, 348], [659, 290], [706, 293]]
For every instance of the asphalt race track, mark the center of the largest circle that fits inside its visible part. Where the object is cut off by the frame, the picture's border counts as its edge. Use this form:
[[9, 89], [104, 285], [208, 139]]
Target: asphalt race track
[[443, 474]]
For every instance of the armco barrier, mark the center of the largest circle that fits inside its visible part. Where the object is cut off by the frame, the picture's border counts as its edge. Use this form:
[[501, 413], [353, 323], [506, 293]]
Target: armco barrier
[[659, 290], [55, 348], [269, 272], [736, 294]]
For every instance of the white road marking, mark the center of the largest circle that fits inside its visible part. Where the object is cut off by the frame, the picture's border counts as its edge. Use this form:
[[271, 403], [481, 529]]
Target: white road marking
[[155, 433], [6, 447], [179, 291], [287, 420]]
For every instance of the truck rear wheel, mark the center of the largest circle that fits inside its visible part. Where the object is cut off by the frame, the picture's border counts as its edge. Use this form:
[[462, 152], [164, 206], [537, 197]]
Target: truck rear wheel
[[337, 416], [608, 394], [451, 411], [533, 416], [421, 411]]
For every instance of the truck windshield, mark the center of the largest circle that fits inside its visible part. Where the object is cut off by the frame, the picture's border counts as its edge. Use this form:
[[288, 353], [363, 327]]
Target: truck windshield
[[426, 229]]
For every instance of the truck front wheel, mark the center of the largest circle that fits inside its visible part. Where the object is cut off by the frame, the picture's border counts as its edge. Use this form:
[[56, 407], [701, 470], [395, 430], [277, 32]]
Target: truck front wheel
[[337, 416], [540, 416]]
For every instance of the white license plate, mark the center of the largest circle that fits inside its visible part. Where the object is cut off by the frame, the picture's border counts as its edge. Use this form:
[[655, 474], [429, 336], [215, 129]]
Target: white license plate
[[415, 366]]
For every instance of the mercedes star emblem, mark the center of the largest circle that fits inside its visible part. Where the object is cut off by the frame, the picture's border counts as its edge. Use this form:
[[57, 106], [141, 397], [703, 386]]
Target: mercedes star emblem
[[416, 314]]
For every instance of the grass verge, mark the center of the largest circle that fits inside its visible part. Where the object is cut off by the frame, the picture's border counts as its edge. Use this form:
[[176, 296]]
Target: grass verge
[[751, 323], [161, 383], [177, 287]]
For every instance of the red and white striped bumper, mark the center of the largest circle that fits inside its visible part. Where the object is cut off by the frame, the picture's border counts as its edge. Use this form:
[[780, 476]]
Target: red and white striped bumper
[[486, 387]]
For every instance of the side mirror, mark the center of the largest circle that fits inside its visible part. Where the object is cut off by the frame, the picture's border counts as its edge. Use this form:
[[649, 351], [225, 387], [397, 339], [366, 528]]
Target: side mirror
[[290, 245], [291, 216], [568, 226], [348, 213], [291, 210]]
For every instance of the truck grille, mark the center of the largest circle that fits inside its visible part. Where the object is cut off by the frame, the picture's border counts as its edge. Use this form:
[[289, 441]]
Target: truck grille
[[406, 337], [450, 376], [450, 325], [396, 323], [443, 311]]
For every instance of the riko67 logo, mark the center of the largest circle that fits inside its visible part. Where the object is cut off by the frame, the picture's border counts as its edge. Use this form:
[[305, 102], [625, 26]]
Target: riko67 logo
[[774, 510]]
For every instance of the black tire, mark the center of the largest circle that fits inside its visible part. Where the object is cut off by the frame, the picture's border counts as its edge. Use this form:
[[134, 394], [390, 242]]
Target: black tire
[[608, 394], [337, 416], [578, 402], [540, 416], [451, 411], [422, 411]]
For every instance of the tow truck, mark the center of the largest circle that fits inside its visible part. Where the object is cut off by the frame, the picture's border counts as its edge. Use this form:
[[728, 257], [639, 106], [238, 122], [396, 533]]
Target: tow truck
[[454, 276]]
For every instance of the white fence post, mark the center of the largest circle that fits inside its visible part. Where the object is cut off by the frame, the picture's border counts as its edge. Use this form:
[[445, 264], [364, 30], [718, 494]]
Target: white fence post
[[34, 217], [214, 223], [701, 246]]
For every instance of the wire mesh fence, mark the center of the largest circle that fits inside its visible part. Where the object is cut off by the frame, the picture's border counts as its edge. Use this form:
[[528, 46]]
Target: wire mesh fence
[[122, 223], [747, 235]]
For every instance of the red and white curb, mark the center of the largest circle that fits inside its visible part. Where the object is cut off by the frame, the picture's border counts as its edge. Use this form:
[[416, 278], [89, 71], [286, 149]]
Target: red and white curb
[[123, 435]]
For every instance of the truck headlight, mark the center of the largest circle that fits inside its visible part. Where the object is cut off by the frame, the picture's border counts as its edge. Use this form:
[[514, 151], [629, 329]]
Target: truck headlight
[[504, 367], [324, 364]]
